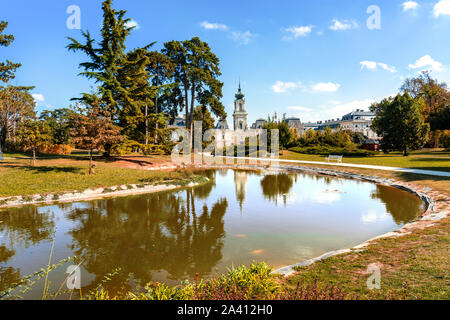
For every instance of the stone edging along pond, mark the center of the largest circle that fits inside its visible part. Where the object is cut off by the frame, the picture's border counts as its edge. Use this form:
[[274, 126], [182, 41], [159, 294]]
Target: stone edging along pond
[[427, 219], [91, 194]]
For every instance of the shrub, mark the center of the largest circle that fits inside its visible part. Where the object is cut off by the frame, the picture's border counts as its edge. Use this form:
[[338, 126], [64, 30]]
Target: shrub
[[444, 139], [57, 149], [131, 146], [327, 150], [256, 282]]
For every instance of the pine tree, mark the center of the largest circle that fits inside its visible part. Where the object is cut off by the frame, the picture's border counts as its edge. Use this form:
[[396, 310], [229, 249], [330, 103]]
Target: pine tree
[[107, 58], [197, 71], [162, 69], [7, 68], [137, 95]]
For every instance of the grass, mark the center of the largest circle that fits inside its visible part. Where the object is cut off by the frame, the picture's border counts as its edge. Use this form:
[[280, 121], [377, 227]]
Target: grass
[[425, 160], [59, 175], [419, 261]]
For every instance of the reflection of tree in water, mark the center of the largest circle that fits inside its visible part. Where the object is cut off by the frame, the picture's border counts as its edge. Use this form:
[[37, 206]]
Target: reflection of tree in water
[[149, 233], [203, 191], [21, 228], [403, 207], [8, 276], [27, 226], [274, 186]]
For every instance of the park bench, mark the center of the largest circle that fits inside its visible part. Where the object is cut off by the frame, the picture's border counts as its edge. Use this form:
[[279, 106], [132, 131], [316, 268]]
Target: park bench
[[334, 158]]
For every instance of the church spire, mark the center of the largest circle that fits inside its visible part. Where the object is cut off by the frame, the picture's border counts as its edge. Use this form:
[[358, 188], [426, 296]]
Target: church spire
[[239, 95]]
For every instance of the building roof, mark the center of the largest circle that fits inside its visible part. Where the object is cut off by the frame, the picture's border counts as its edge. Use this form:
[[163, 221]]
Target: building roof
[[223, 125], [358, 113]]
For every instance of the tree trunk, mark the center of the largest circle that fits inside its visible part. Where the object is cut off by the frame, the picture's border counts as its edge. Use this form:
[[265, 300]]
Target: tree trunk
[[146, 125], [405, 151], [156, 107], [91, 167], [14, 131], [34, 158], [6, 128], [186, 103], [191, 119]]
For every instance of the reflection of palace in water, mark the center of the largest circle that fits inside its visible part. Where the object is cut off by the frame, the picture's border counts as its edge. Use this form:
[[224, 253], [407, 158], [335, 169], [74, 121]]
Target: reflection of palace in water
[[240, 182]]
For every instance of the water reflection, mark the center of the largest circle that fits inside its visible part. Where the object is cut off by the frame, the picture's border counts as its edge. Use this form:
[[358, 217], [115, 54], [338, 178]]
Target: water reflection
[[275, 186], [171, 234], [403, 207], [22, 230]]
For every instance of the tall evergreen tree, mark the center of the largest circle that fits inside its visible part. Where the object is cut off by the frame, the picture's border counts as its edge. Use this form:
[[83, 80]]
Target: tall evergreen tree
[[137, 94], [7, 68], [162, 69], [197, 71], [107, 58]]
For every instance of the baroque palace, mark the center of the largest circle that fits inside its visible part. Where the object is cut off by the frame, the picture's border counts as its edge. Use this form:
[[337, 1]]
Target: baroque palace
[[356, 121]]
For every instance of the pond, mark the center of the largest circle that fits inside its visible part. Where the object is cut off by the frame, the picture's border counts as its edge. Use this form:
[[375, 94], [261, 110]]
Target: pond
[[239, 217]]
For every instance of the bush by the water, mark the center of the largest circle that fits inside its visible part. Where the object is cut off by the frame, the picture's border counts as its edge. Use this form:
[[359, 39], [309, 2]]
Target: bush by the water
[[256, 282]]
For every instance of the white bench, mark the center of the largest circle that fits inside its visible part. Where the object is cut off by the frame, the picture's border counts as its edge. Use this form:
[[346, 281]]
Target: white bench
[[334, 158]]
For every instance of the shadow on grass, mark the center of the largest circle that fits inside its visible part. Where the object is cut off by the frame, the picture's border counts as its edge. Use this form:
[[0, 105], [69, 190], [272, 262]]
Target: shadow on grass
[[45, 169], [417, 177], [432, 159], [142, 163], [444, 169]]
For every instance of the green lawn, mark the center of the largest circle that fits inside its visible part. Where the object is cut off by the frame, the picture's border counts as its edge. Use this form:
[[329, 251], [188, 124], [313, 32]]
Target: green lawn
[[429, 160], [18, 178], [414, 266]]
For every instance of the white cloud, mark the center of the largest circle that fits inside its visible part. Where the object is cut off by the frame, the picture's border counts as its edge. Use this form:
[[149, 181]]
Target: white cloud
[[282, 87], [410, 5], [372, 65], [326, 87], [373, 216], [242, 37], [213, 26], [426, 62], [442, 8], [326, 197], [343, 25], [38, 97], [387, 67], [297, 32], [133, 24]]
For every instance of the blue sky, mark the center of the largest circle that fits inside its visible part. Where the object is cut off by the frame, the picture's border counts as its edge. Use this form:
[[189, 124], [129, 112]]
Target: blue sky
[[313, 59]]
